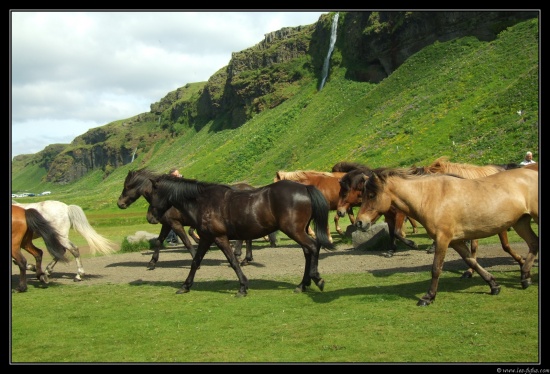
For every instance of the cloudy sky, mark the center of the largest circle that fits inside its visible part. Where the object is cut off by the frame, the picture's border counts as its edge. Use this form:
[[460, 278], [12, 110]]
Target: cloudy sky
[[73, 71]]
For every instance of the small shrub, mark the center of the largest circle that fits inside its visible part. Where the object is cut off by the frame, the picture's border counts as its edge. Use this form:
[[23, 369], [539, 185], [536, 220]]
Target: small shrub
[[128, 247]]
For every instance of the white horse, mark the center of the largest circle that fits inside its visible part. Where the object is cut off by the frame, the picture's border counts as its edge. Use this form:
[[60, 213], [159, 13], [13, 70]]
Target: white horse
[[62, 216]]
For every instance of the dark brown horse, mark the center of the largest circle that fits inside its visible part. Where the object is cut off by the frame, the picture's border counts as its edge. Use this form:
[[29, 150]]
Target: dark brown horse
[[221, 213], [25, 224], [453, 209], [138, 183], [327, 183], [351, 190]]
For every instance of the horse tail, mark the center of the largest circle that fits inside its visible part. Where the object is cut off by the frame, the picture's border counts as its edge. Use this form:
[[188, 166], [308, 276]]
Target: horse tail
[[39, 225], [320, 207], [80, 223]]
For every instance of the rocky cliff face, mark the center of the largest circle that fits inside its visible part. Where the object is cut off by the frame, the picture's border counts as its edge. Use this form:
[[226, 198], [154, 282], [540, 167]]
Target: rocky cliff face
[[372, 45]]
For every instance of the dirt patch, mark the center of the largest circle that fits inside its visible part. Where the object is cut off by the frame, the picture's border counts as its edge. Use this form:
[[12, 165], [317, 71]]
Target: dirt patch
[[175, 262]]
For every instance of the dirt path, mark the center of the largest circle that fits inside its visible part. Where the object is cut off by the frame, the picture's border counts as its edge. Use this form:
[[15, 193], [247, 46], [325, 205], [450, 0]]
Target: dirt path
[[174, 264]]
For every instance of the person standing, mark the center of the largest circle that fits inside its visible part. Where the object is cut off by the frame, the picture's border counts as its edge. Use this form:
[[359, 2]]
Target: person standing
[[172, 238], [528, 159]]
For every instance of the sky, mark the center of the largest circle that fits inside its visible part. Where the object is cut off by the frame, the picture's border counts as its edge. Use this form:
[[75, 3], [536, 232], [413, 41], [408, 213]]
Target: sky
[[73, 71]]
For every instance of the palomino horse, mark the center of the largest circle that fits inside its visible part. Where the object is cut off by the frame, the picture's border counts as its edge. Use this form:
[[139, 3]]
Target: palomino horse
[[326, 182], [138, 183], [221, 213], [25, 224], [62, 217], [453, 209], [471, 171], [351, 190]]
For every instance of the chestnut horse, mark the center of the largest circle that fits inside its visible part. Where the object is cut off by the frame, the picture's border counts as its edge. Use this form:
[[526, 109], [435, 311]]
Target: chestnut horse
[[26, 224], [62, 217], [327, 183], [221, 213], [453, 209], [351, 190]]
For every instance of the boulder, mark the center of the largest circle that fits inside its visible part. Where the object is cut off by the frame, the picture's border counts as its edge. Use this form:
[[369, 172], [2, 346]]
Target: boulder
[[140, 236], [376, 237]]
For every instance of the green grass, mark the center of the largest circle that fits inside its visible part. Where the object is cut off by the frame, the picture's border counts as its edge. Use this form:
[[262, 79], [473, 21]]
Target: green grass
[[368, 318]]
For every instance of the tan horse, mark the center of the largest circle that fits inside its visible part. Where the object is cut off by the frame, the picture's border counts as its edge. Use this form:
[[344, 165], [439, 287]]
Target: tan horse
[[471, 171], [327, 183], [453, 209]]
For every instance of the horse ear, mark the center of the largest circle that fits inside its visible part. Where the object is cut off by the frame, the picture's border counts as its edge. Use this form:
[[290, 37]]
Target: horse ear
[[153, 182]]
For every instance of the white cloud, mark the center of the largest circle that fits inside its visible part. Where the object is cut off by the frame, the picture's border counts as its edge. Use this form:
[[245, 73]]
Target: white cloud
[[72, 71]]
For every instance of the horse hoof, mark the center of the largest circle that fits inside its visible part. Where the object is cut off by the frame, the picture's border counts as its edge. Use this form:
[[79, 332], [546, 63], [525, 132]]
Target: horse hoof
[[525, 283], [466, 275], [241, 294], [430, 250], [77, 279], [151, 267], [321, 284], [44, 279], [182, 290], [299, 289], [423, 302], [495, 291]]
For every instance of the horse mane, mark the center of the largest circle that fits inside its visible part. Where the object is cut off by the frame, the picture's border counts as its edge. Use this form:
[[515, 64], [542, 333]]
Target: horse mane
[[470, 171], [300, 175], [346, 167], [188, 188], [140, 178]]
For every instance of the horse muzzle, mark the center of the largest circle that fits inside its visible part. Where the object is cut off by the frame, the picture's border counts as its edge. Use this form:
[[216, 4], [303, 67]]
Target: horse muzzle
[[363, 225]]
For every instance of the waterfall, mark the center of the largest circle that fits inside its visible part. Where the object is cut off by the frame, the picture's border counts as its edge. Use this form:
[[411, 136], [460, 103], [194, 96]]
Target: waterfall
[[332, 41], [135, 150]]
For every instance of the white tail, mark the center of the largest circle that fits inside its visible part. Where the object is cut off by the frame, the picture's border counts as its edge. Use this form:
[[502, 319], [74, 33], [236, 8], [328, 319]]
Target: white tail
[[80, 223]]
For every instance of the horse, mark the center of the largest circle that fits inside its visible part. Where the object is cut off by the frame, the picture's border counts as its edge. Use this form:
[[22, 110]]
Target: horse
[[25, 224], [453, 209], [221, 213], [327, 183], [138, 183], [62, 217], [351, 189], [471, 171]]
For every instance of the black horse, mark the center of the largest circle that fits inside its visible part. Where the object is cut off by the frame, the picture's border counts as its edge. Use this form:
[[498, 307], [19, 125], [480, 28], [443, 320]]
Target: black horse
[[138, 183], [220, 213]]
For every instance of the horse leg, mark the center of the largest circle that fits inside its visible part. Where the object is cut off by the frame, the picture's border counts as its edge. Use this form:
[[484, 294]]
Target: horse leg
[[223, 243], [524, 230], [21, 262], [178, 229], [194, 235], [431, 248], [437, 266], [204, 244], [37, 254], [470, 259], [337, 226], [414, 225], [351, 216], [79, 268], [310, 231], [503, 236], [473, 250], [395, 222], [311, 254], [22, 275], [248, 258]]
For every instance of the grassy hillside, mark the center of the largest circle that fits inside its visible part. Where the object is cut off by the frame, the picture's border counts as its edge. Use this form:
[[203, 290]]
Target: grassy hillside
[[459, 98]]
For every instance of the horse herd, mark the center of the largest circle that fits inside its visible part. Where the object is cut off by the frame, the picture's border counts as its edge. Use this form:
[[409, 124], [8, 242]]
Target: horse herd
[[455, 203]]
